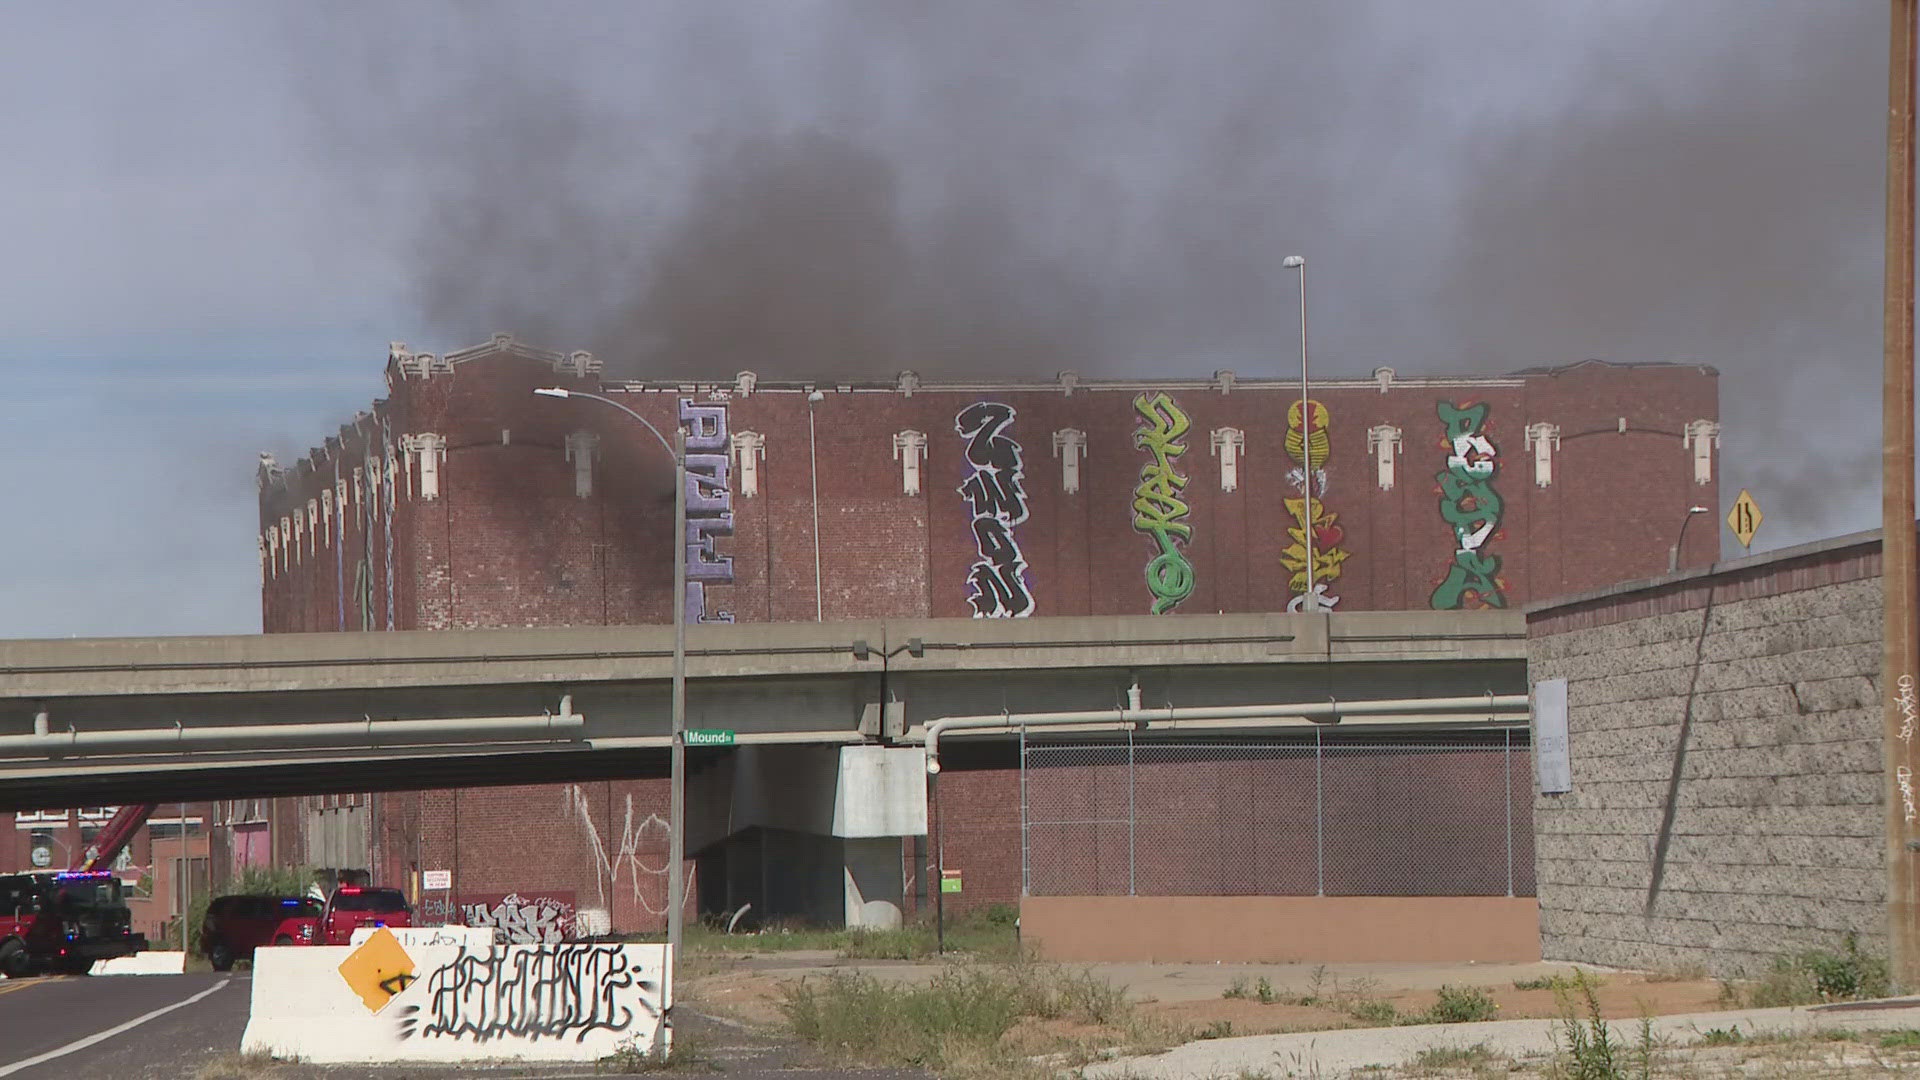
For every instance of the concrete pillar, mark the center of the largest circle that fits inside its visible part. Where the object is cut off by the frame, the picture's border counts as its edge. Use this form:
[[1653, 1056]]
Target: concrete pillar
[[821, 826]]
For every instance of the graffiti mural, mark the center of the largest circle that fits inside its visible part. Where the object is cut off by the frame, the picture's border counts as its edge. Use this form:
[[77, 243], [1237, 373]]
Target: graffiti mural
[[1309, 444], [1159, 512], [545, 919], [998, 502], [709, 507], [550, 992], [1469, 503]]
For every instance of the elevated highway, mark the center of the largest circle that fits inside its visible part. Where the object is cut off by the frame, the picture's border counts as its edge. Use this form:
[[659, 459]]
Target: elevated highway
[[142, 719]]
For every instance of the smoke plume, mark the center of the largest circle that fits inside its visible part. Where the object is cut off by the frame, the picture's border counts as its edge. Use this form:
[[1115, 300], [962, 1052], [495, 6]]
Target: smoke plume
[[839, 189]]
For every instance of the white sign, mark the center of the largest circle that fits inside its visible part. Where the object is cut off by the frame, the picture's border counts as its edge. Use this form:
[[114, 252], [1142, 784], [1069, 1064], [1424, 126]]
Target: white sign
[[1552, 760], [436, 880]]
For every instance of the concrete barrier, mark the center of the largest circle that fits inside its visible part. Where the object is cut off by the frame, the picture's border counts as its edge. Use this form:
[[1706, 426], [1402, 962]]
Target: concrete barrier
[[382, 1001], [146, 963], [411, 937]]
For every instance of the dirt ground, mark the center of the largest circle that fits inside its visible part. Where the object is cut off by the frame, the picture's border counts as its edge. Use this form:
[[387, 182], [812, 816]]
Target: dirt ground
[[1190, 997]]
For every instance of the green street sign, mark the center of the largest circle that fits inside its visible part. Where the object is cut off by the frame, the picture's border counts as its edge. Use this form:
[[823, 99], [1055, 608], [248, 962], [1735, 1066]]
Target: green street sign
[[949, 881], [709, 737]]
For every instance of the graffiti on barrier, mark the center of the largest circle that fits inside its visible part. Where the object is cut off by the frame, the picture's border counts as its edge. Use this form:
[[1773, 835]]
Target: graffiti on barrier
[[545, 919], [709, 508], [1309, 444], [998, 502], [1159, 511], [550, 992], [1469, 503]]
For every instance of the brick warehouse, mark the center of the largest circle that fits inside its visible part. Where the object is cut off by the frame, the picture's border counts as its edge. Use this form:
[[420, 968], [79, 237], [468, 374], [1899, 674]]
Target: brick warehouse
[[462, 500]]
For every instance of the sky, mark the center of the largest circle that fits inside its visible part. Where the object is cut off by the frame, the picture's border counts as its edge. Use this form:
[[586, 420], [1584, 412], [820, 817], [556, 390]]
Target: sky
[[218, 215]]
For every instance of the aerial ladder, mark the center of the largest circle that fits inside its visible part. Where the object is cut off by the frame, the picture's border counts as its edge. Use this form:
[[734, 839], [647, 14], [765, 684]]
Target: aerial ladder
[[114, 836]]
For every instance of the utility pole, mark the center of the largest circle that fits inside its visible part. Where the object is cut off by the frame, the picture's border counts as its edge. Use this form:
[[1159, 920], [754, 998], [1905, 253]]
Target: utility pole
[[1902, 630]]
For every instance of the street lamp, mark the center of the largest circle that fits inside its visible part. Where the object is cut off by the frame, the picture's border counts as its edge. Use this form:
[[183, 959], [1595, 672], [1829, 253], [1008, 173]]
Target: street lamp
[[1295, 262], [677, 812], [1673, 553]]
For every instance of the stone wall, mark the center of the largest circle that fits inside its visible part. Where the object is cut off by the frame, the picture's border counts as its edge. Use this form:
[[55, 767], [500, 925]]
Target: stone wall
[[1727, 801]]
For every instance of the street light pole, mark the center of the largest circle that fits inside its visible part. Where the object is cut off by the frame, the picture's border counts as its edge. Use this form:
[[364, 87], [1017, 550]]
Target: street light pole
[[1673, 553], [1310, 604], [676, 849]]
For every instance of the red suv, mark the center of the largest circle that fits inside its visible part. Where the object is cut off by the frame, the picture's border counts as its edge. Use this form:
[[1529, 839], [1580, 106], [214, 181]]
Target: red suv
[[236, 925], [353, 906]]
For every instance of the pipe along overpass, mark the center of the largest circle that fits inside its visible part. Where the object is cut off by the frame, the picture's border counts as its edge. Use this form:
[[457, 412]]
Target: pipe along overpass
[[120, 720]]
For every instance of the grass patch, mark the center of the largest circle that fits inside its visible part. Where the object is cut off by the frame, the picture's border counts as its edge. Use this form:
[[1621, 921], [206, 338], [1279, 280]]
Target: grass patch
[[1454, 1057], [1585, 1047], [1683, 973], [1900, 1040], [958, 1023], [1555, 983], [689, 1055], [236, 1066], [1817, 975], [1461, 1005]]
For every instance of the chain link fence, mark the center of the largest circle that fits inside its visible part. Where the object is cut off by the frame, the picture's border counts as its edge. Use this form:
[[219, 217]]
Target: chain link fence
[[1436, 815]]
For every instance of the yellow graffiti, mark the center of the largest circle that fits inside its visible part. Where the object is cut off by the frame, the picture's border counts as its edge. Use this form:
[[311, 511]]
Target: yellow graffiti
[[1297, 443], [1327, 556]]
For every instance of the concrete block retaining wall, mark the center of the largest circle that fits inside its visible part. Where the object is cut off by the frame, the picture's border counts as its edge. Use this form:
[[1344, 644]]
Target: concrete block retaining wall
[[1775, 842]]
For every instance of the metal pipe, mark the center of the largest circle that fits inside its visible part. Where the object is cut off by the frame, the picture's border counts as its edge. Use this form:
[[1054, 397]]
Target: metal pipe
[[1314, 711], [1901, 630], [374, 732]]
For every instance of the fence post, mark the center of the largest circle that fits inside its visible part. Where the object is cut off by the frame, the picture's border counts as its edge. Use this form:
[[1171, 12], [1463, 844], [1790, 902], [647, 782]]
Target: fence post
[[1026, 865], [1506, 774], [1319, 817], [1131, 862]]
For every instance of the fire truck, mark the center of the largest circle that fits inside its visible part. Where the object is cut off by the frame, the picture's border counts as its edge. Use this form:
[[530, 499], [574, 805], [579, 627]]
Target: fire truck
[[63, 921]]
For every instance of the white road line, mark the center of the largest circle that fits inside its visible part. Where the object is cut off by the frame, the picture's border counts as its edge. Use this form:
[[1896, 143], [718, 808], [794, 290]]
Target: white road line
[[82, 1044]]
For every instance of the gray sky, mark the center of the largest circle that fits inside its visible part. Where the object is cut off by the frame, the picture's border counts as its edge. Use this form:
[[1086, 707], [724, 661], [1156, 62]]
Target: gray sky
[[218, 215]]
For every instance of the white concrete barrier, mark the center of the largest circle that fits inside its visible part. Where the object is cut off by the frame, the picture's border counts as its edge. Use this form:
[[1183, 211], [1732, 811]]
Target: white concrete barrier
[[382, 1001], [411, 937], [146, 963]]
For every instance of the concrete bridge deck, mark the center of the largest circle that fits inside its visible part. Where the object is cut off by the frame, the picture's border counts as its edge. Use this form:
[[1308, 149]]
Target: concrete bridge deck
[[132, 718]]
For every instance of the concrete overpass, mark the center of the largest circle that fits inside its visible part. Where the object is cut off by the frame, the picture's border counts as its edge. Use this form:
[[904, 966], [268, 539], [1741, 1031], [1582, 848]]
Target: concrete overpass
[[145, 719]]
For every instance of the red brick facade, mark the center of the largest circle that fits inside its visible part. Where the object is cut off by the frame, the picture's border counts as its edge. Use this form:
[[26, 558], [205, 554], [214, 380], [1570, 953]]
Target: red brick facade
[[454, 503]]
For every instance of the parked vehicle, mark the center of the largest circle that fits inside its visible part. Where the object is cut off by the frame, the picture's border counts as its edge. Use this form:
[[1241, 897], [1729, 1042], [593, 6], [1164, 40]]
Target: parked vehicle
[[353, 906], [63, 922], [236, 925]]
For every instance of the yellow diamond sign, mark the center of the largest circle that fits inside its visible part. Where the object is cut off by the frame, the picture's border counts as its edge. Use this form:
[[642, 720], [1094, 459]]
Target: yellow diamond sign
[[1745, 517], [378, 969]]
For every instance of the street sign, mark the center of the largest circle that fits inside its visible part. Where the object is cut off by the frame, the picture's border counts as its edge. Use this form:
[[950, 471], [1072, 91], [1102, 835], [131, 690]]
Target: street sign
[[949, 881], [436, 880], [1745, 518], [709, 737], [378, 969]]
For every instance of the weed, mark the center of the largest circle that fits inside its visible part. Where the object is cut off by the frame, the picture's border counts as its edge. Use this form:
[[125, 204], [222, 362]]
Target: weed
[[1236, 991], [689, 1055], [1462, 1005], [1453, 1057], [1817, 975], [1682, 973], [1263, 991], [239, 1067], [1900, 1040], [954, 1023], [1374, 1011], [1219, 1029], [1585, 1049], [1544, 982], [1722, 1037]]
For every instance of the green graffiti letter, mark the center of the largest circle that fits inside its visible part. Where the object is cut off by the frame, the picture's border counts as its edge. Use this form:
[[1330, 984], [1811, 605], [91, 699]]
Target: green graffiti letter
[[1158, 509], [1469, 503]]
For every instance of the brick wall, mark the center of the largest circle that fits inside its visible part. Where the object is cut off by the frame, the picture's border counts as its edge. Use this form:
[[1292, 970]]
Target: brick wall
[[506, 541], [1776, 837]]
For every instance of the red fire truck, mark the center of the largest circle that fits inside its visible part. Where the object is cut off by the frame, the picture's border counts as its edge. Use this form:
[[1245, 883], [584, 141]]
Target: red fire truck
[[63, 921]]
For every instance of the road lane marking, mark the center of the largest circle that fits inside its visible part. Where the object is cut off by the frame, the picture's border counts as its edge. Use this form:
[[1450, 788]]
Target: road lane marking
[[99, 1037], [19, 985]]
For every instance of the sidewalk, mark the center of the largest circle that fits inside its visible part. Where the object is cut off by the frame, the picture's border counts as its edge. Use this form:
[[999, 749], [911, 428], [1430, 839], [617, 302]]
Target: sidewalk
[[1340, 1053]]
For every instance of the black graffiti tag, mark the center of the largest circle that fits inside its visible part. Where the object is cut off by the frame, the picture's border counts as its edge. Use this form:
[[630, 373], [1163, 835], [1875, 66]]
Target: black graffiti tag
[[552, 991], [998, 502]]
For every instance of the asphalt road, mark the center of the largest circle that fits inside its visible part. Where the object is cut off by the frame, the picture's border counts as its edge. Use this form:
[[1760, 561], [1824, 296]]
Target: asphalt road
[[175, 1027]]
